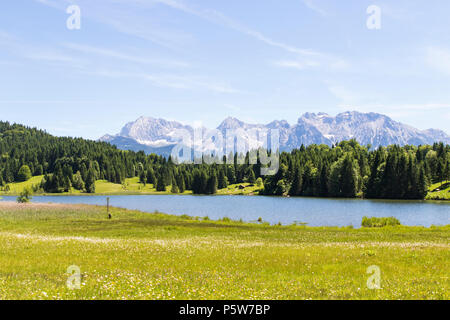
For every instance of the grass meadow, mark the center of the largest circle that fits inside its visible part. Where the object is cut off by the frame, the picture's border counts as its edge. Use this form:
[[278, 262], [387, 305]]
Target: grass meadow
[[138, 255], [439, 191]]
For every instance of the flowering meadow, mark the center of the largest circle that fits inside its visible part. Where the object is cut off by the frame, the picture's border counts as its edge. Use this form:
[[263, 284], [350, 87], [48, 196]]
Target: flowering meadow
[[136, 255]]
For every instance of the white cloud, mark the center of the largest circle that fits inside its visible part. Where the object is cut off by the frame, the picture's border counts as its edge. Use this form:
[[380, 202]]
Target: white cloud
[[311, 4], [129, 17], [300, 65], [343, 94], [232, 107], [122, 56], [438, 58], [329, 62], [5, 36], [174, 81], [189, 82], [221, 19], [36, 52], [313, 58], [130, 23]]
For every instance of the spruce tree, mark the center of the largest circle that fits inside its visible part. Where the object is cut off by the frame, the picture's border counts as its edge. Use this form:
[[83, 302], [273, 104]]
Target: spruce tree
[[143, 178], [160, 184], [296, 186], [151, 178], [90, 181], [211, 187], [251, 176], [180, 183], [323, 182], [222, 180], [422, 184], [174, 187]]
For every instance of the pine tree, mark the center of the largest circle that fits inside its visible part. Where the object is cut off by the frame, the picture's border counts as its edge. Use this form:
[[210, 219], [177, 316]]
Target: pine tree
[[323, 182], [222, 180], [334, 181], [422, 184], [373, 185], [174, 188], [203, 182], [78, 182], [151, 178], [160, 184], [84, 171], [447, 171], [307, 180], [143, 178], [441, 171], [296, 186], [211, 187], [39, 170], [251, 176], [90, 181], [180, 183], [349, 178]]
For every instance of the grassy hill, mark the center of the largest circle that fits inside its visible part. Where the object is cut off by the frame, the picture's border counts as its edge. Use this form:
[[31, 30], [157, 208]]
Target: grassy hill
[[18, 187], [439, 191], [138, 255]]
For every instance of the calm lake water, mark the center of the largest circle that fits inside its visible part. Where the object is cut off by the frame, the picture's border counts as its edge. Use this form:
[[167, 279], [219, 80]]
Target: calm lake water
[[313, 211]]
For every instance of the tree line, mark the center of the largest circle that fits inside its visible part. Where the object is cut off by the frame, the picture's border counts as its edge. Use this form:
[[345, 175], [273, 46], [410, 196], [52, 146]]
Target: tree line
[[346, 169]]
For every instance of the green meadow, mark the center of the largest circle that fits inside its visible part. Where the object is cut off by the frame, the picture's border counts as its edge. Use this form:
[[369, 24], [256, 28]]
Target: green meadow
[[138, 255], [439, 191]]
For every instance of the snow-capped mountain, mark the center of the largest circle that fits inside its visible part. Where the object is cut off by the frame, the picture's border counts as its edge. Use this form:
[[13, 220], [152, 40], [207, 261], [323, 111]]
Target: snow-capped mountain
[[160, 136], [153, 132], [367, 128]]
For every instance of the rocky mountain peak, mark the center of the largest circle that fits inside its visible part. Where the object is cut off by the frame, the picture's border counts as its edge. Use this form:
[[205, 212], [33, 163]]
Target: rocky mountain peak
[[312, 128]]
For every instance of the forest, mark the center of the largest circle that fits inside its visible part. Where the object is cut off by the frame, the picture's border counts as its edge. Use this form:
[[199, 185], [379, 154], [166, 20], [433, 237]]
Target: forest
[[346, 169]]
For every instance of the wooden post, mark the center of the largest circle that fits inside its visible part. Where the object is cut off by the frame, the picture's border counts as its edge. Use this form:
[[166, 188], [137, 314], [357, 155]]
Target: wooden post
[[107, 208]]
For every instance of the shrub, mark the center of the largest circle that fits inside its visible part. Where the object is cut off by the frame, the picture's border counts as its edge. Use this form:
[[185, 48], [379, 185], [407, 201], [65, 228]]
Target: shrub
[[25, 196], [375, 222], [259, 182]]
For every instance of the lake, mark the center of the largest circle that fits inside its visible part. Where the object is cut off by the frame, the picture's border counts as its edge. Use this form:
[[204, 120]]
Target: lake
[[313, 211]]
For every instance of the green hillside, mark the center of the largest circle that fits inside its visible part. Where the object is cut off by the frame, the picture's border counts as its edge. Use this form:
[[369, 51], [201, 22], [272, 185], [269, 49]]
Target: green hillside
[[346, 170]]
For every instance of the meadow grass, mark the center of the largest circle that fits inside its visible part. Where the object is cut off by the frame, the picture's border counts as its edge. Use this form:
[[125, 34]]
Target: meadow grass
[[442, 194], [235, 189], [17, 187], [139, 255]]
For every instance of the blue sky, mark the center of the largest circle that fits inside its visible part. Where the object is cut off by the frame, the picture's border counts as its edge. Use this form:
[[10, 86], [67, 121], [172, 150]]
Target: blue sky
[[201, 61]]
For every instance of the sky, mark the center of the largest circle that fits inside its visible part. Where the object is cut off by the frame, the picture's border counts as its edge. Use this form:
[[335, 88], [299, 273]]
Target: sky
[[200, 61]]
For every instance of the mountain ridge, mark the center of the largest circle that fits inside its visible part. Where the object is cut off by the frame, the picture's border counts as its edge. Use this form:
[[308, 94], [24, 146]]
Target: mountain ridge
[[154, 135]]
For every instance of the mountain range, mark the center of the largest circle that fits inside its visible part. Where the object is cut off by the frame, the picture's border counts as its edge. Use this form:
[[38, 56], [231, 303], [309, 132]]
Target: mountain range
[[160, 136]]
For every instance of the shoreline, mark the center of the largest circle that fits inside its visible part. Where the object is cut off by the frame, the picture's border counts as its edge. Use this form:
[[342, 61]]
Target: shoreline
[[213, 195], [224, 220]]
